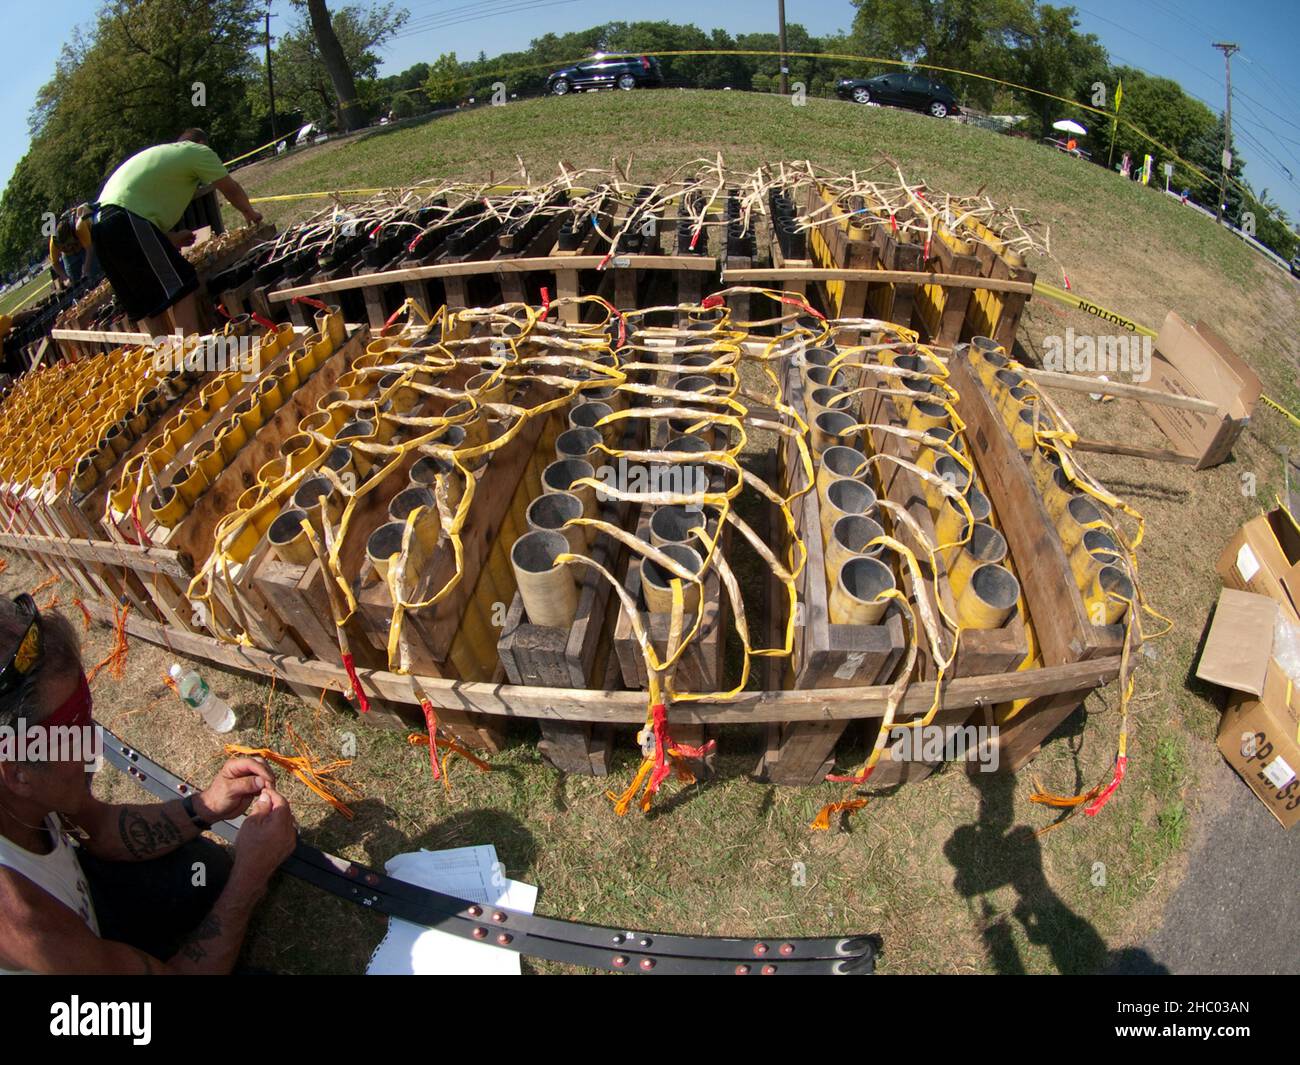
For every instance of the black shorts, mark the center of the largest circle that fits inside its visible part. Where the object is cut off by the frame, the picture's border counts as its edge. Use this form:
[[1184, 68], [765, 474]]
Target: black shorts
[[147, 272], [153, 905]]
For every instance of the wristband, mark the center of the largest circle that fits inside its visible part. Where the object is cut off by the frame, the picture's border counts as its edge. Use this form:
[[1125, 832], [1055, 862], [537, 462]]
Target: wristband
[[187, 804]]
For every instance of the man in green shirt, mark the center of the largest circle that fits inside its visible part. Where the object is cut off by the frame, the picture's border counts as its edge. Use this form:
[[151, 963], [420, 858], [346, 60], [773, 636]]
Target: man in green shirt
[[139, 204]]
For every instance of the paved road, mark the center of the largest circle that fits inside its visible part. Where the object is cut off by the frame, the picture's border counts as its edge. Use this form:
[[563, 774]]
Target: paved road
[[1238, 909]]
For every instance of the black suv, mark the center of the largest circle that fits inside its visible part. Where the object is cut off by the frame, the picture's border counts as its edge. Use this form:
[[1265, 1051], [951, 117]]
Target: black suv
[[901, 89], [606, 72]]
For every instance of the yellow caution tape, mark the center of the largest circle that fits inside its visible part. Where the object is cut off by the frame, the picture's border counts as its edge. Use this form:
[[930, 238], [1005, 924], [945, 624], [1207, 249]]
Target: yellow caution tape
[[1082, 303], [1293, 419]]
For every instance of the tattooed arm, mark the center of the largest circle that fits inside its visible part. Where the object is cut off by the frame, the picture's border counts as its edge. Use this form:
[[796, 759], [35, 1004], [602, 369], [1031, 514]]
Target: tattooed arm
[[40, 934], [213, 946], [266, 838], [138, 832]]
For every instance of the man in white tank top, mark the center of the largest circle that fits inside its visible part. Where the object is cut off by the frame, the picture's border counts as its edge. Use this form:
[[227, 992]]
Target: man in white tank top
[[126, 857]]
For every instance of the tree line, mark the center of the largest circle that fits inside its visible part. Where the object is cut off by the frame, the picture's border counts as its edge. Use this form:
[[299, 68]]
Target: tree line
[[145, 69]]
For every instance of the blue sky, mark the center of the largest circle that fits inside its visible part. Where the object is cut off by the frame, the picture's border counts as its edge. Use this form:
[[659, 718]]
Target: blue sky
[[1167, 37]]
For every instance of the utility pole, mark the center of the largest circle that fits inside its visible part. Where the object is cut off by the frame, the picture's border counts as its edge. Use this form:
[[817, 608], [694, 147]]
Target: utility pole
[[270, 81], [1227, 50], [785, 66]]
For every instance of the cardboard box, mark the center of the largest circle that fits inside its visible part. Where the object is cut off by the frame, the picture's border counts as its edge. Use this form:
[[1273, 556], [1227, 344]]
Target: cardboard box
[[1195, 362], [1239, 646], [1263, 556], [1259, 735], [1260, 738]]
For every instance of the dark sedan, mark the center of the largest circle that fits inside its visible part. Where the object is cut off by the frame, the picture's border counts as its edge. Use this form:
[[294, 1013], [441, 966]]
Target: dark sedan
[[915, 91], [606, 72]]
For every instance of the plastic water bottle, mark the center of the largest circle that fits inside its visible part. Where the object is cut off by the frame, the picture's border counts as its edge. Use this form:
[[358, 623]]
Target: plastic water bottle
[[198, 696]]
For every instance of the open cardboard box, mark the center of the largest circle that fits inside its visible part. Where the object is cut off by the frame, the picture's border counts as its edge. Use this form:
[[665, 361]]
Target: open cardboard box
[[1259, 735], [1263, 556], [1196, 362]]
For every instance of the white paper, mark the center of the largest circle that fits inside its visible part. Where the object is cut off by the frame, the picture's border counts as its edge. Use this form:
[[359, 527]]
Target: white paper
[[1247, 563], [472, 873], [1279, 773]]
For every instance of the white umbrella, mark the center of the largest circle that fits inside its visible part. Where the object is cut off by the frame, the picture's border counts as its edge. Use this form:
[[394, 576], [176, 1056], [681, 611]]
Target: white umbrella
[[1068, 125]]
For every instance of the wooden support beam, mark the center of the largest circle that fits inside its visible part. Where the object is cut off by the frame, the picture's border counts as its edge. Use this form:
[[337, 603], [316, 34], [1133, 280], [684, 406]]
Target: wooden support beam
[[1092, 385], [100, 336], [701, 263], [921, 277], [128, 556], [1105, 447], [621, 707]]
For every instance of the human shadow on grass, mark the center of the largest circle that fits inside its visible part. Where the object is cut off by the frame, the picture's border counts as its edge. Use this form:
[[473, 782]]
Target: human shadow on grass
[[383, 835], [1146, 490], [994, 852], [304, 929]]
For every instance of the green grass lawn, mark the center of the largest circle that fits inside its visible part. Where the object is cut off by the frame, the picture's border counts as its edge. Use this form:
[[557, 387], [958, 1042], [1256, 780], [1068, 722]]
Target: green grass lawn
[[19, 293], [1130, 248], [949, 869]]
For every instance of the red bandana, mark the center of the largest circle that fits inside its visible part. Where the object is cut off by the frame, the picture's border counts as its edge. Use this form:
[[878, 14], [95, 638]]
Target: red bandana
[[75, 710]]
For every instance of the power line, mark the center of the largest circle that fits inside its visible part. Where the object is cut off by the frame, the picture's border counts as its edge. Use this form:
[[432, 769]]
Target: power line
[[1182, 16], [1281, 118], [1263, 126], [1258, 67], [1267, 158], [424, 21], [506, 10], [1270, 160], [1154, 44]]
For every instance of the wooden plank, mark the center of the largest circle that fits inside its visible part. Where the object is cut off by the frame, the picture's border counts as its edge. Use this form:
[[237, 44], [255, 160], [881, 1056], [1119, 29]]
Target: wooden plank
[[1092, 385], [533, 654], [548, 263], [100, 336], [1156, 454], [957, 298], [919, 277], [128, 556], [300, 601], [980, 650], [573, 704], [826, 655], [1056, 609], [493, 498], [1013, 303], [581, 656]]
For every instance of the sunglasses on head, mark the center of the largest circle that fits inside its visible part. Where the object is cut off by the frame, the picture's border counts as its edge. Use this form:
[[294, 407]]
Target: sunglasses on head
[[26, 656]]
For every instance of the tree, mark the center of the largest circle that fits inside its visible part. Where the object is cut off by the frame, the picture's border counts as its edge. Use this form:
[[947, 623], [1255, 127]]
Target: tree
[[302, 78], [1053, 57], [1204, 150], [974, 35], [144, 71], [1160, 109], [446, 82], [338, 64]]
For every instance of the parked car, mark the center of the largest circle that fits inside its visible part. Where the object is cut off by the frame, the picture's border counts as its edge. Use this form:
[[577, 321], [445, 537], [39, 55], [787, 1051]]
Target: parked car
[[606, 72], [917, 91]]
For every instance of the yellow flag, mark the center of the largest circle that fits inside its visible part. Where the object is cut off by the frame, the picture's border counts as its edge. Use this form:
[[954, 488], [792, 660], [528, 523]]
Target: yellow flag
[[1119, 94]]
